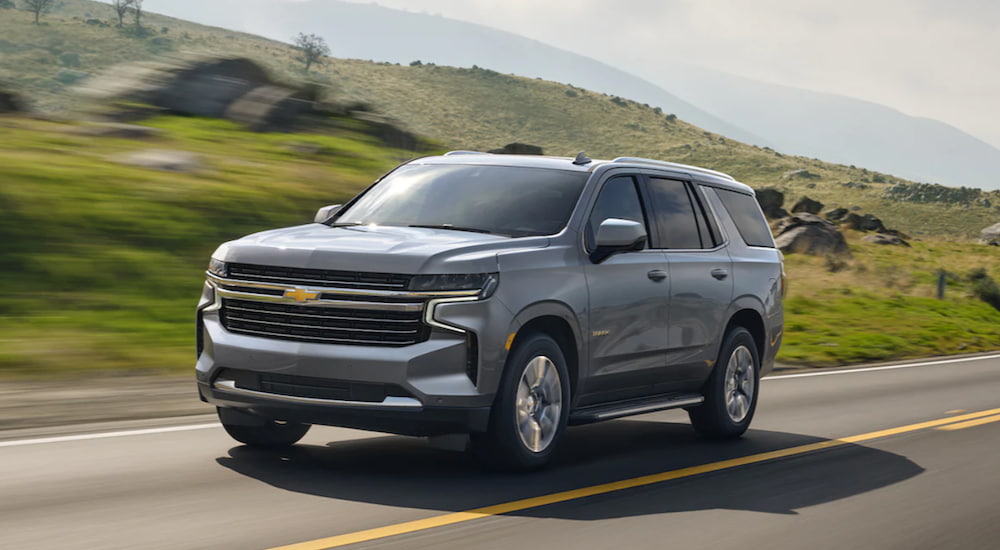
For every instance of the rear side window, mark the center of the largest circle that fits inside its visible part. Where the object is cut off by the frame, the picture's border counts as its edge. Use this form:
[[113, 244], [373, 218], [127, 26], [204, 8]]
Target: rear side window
[[745, 212], [677, 225]]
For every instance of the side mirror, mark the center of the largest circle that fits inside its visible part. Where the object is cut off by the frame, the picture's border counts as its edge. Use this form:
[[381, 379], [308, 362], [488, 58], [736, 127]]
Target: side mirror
[[617, 235], [327, 212]]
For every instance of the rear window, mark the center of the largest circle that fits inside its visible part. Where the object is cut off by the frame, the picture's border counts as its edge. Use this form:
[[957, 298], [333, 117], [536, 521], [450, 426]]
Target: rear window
[[745, 212]]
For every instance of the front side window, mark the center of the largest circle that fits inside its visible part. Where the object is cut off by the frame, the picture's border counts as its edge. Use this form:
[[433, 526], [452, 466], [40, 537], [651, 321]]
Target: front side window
[[619, 198], [503, 200]]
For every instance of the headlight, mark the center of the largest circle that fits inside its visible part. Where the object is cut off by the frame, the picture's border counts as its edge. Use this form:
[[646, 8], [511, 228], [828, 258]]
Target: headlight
[[218, 267], [487, 282]]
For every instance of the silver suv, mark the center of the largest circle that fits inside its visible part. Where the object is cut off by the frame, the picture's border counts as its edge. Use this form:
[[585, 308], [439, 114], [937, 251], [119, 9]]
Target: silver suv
[[496, 299]]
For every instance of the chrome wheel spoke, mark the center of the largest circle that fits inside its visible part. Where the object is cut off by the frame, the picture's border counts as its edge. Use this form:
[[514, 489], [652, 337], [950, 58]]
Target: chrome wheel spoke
[[539, 403], [739, 384]]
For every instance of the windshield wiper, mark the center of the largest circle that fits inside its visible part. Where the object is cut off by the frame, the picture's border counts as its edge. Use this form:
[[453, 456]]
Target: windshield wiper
[[453, 228], [344, 224]]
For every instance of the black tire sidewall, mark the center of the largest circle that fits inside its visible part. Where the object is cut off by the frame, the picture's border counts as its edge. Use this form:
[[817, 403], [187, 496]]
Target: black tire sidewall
[[504, 441], [712, 416]]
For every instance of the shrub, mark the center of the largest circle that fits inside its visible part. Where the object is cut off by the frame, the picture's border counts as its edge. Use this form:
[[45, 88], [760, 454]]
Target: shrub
[[984, 287], [69, 76], [7, 4], [571, 93]]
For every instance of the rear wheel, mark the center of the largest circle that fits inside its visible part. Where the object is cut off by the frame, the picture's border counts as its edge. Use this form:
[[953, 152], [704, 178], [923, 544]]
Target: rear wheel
[[530, 411], [262, 433], [731, 390]]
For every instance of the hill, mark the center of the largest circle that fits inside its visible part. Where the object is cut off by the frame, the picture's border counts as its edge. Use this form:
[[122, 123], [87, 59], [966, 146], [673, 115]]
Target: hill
[[480, 108], [832, 127]]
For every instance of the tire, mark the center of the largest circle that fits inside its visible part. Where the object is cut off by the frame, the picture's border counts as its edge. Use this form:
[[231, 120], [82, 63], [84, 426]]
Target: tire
[[268, 434], [732, 389], [529, 413]]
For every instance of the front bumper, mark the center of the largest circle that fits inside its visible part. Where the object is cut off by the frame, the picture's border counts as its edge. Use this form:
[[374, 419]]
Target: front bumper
[[430, 389]]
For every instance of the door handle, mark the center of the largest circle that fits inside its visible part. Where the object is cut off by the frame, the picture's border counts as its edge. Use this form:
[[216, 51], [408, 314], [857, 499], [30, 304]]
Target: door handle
[[657, 275], [720, 274]]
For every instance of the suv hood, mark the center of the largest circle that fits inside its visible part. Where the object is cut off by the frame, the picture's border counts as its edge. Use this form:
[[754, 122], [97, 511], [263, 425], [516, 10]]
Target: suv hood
[[376, 249]]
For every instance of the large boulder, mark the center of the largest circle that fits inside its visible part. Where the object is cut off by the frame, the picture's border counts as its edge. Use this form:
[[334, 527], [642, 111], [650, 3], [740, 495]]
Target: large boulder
[[806, 204], [991, 235], [162, 159], [810, 234], [771, 201]]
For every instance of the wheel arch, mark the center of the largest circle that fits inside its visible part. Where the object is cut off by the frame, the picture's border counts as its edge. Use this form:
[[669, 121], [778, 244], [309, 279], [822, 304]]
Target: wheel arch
[[753, 322], [559, 322]]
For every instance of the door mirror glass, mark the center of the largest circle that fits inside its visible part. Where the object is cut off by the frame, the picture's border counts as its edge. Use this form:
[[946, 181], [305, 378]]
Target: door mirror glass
[[327, 212]]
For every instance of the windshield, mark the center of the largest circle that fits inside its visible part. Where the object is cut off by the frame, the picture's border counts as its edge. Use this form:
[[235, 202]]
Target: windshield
[[503, 200]]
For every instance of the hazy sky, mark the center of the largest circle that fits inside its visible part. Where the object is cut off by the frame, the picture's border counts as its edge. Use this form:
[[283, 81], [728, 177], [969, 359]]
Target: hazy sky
[[933, 58]]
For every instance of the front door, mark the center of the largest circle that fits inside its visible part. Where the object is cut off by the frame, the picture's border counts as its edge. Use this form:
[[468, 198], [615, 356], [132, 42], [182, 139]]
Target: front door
[[629, 294]]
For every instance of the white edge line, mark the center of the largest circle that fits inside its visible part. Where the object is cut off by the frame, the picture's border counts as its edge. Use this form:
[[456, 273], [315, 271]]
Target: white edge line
[[887, 367], [103, 435], [190, 427]]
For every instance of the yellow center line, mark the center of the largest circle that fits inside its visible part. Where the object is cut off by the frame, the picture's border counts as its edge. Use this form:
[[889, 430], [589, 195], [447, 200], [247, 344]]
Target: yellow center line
[[555, 498], [971, 423]]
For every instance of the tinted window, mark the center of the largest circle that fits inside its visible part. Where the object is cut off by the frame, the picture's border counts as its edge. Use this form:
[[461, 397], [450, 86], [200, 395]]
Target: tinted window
[[505, 200], [618, 199], [748, 218], [701, 205], [676, 223]]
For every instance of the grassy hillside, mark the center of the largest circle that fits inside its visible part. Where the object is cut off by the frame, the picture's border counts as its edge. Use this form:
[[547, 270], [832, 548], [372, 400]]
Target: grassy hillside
[[102, 262], [481, 109]]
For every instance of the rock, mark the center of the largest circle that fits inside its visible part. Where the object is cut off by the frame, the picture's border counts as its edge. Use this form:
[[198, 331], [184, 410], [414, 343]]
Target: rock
[[807, 233], [990, 235], [837, 214], [802, 174], [388, 131], [268, 108], [162, 159], [881, 238], [866, 222], [806, 204], [518, 149], [10, 102], [771, 201]]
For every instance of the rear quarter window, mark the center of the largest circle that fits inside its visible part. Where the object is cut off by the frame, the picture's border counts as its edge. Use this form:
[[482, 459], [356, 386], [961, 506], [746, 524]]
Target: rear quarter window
[[747, 216]]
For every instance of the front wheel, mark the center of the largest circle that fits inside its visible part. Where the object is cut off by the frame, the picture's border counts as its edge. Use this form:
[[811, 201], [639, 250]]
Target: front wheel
[[731, 390], [531, 408], [263, 433]]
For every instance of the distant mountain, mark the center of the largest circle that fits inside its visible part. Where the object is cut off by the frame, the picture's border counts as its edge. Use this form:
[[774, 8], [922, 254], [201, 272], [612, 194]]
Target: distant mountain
[[826, 126], [841, 129], [369, 31]]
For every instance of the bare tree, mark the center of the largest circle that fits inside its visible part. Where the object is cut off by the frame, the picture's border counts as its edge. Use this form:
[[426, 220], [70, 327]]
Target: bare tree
[[122, 7], [137, 13], [38, 7], [313, 49]]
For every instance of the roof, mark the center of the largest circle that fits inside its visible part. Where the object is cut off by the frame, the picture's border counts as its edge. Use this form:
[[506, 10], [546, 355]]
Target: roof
[[705, 175]]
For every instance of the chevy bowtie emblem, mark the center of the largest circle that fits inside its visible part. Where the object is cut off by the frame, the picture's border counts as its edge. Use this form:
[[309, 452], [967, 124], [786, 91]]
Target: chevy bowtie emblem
[[301, 294]]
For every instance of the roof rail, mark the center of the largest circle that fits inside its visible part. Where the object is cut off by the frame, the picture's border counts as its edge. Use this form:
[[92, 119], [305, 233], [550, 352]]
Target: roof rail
[[687, 167], [456, 153]]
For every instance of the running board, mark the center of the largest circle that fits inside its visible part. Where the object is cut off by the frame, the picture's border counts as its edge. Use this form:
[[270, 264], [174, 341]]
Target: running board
[[598, 413]]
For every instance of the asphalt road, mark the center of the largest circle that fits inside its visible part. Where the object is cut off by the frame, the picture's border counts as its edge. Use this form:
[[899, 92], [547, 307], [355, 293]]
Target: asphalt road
[[888, 458]]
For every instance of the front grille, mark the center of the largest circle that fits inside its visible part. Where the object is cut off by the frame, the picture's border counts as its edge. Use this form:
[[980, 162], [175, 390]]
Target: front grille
[[318, 277], [316, 388], [326, 325]]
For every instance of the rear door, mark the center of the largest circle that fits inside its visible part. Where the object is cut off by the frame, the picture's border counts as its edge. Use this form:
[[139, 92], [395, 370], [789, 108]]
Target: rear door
[[701, 280]]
